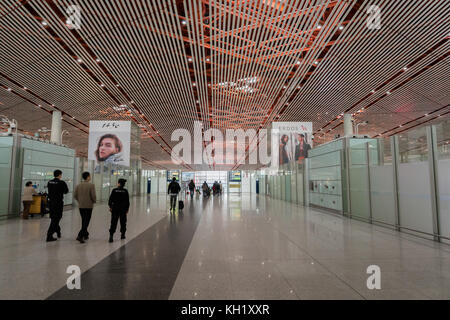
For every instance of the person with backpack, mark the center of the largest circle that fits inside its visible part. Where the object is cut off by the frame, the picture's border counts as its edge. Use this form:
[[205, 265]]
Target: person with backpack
[[173, 190], [119, 204]]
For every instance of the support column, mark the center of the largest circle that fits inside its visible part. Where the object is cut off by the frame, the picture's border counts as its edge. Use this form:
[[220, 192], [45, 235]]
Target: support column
[[348, 125], [395, 163], [56, 127], [368, 181], [434, 183]]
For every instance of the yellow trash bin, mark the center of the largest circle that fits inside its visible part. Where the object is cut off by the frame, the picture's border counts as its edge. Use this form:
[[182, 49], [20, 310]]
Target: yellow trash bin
[[36, 205]]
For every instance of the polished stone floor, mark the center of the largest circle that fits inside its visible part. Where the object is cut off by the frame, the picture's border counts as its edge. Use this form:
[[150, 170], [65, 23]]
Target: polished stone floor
[[229, 247]]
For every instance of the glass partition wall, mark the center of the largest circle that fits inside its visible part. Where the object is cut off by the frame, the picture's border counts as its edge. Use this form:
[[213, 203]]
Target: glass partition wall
[[401, 181]]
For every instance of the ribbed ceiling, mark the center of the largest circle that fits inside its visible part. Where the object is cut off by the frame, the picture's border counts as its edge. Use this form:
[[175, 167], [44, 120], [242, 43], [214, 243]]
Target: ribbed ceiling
[[229, 64]]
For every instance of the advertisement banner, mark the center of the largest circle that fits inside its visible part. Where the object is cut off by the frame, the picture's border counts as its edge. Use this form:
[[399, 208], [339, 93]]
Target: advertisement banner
[[109, 142], [291, 141]]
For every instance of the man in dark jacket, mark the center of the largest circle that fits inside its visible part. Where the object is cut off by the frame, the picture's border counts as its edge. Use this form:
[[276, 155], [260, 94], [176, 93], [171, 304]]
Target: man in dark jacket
[[173, 190], [56, 191], [119, 203], [191, 186]]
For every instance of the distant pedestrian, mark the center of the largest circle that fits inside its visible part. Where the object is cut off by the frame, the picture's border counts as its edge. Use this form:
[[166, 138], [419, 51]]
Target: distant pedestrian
[[27, 199], [191, 187], [85, 195], [205, 189], [56, 191], [173, 190], [119, 204]]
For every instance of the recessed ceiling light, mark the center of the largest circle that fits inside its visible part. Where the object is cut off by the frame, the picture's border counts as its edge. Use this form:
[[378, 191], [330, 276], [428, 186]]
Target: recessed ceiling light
[[298, 62], [341, 27], [25, 88], [388, 92], [319, 26], [373, 91], [194, 84], [97, 60], [426, 114], [79, 60], [207, 59], [284, 87], [102, 85], [183, 22], [190, 59], [400, 126], [405, 68], [9, 89], [316, 62], [117, 85], [44, 22]]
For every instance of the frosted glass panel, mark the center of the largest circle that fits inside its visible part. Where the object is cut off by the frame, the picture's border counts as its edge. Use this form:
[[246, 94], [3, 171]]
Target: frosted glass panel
[[382, 181], [414, 196], [5, 173], [325, 176], [245, 183], [359, 179], [443, 168], [288, 188], [382, 192]]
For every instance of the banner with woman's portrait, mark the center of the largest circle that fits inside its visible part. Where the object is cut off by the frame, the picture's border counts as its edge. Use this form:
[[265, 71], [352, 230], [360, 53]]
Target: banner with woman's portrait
[[291, 142], [109, 142]]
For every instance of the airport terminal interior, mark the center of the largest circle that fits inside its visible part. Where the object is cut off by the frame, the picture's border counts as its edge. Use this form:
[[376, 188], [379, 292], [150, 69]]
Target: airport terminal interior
[[309, 140]]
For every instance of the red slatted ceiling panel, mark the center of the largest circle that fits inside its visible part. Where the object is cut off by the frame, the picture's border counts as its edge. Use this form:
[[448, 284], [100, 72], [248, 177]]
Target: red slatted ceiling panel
[[228, 64]]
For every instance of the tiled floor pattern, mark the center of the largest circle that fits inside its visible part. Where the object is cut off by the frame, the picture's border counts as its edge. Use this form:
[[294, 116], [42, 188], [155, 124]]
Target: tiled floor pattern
[[231, 247], [254, 247]]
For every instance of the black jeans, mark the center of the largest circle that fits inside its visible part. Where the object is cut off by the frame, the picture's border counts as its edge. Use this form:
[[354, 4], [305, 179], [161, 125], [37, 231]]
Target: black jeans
[[115, 216], [56, 211], [86, 214], [173, 201]]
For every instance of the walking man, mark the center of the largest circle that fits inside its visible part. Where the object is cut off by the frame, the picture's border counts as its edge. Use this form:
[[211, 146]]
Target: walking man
[[56, 191], [173, 190], [191, 186], [119, 204], [85, 195]]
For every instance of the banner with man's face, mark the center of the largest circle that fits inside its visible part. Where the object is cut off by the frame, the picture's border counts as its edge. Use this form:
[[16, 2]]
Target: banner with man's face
[[291, 141], [109, 142]]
